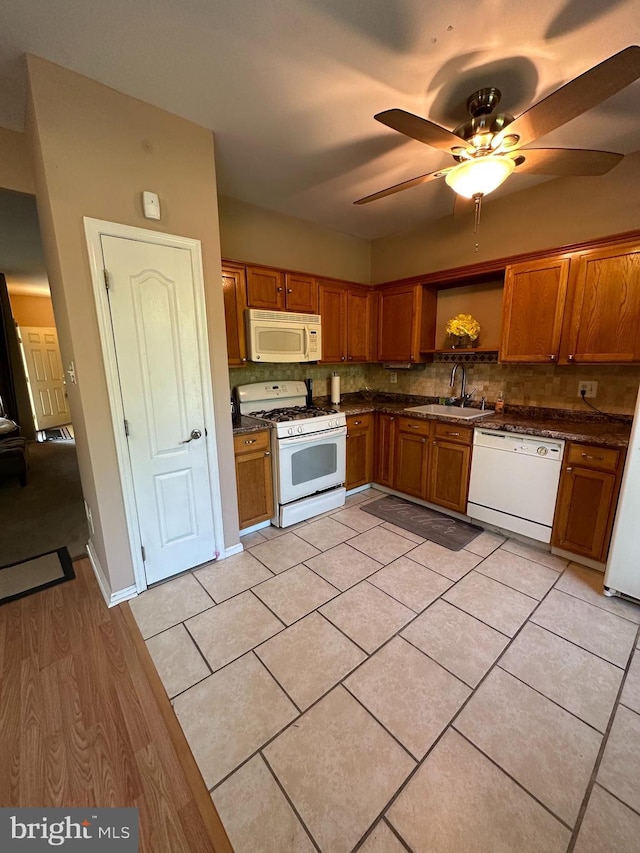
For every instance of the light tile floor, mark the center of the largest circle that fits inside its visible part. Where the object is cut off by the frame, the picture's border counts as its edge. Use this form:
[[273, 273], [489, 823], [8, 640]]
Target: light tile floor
[[345, 685]]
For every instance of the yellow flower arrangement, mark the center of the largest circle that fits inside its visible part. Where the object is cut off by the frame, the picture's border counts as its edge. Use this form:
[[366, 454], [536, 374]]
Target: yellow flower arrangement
[[463, 324]]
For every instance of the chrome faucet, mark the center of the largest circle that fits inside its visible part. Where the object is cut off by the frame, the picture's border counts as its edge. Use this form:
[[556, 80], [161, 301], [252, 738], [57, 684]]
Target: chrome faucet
[[463, 386]]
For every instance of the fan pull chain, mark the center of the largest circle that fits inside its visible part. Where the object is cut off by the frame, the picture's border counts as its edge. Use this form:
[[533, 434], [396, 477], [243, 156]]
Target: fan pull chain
[[476, 223]]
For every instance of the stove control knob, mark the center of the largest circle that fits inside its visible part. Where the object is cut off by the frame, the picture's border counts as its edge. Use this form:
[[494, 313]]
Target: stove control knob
[[300, 429], [290, 431]]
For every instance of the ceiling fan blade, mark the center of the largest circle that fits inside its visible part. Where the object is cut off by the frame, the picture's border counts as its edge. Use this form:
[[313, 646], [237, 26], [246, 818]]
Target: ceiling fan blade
[[565, 161], [405, 185], [577, 96], [421, 129]]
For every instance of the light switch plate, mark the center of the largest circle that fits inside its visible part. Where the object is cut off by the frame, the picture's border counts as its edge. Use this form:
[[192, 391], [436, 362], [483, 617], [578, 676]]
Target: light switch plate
[[151, 205]]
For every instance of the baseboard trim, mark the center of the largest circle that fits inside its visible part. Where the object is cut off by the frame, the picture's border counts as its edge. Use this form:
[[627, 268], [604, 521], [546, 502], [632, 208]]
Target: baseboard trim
[[233, 549], [111, 598]]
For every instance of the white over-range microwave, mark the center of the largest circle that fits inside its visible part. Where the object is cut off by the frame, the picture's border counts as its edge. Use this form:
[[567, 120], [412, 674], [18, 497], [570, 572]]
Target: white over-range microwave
[[279, 336]]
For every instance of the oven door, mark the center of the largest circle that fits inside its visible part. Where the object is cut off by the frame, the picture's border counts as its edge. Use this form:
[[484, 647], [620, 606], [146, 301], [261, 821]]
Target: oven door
[[310, 463]]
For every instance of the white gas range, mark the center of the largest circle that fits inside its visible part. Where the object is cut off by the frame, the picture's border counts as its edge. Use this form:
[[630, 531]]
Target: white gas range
[[308, 448]]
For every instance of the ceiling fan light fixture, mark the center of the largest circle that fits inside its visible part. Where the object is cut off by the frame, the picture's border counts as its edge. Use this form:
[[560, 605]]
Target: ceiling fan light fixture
[[480, 176]]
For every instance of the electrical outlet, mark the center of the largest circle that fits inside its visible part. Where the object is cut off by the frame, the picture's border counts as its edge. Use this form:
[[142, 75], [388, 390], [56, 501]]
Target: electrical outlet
[[393, 377], [590, 389]]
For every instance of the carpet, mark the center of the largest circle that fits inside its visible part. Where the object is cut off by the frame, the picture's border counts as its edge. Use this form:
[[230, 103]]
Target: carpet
[[449, 532], [28, 576], [48, 513]]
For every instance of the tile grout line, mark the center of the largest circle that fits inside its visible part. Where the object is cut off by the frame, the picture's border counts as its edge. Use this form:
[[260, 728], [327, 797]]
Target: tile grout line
[[289, 800], [616, 797], [605, 740], [450, 725], [369, 655], [603, 609]]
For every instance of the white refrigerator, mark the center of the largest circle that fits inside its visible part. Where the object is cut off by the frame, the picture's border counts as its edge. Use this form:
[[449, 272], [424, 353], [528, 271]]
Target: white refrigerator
[[623, 566]]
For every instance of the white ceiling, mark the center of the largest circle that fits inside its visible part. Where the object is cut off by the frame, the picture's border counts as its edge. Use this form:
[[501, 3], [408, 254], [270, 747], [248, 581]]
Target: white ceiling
[[290, 87]]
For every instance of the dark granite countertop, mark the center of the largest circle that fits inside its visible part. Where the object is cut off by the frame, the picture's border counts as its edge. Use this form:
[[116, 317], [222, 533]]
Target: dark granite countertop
[[566, 424], [243, 425]]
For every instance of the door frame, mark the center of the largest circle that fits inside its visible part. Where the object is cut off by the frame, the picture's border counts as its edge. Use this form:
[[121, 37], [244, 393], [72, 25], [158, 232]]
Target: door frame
[[94, 230]]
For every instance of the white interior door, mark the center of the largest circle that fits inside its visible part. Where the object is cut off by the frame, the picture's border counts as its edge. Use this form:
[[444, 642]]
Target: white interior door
[[43, 366], [153, 314]]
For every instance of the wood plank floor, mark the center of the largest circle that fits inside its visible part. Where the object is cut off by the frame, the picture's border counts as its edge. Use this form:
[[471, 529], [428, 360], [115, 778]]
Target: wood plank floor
[[84, 720]]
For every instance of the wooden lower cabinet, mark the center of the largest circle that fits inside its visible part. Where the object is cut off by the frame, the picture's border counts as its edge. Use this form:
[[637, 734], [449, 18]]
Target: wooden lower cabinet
[[587, 496], [412, 457], [360, 436], [430, 460], [385, 445], [450, 466], [254, 477]]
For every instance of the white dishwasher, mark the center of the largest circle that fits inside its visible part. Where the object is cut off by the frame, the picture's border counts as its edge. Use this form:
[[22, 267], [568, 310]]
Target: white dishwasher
[[514, 481]]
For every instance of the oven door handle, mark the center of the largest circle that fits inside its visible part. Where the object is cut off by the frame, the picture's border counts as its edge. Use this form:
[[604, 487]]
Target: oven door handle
[[335, 432]]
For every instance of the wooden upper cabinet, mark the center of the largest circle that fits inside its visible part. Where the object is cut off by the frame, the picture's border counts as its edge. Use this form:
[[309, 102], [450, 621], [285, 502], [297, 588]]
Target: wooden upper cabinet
[[348, 317], [533, 309], [361, 324], [265, 288], [301, 293], [333, 311], [234, 290], [603, 324], [406, 322], [275, 290]]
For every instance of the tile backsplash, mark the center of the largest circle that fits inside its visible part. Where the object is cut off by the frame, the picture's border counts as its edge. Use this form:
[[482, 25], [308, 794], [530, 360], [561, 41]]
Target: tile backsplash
[[553, 386]]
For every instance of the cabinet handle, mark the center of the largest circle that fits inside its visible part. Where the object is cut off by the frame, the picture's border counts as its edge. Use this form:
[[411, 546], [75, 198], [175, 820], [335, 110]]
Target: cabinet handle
[[452, 433], [357, 423], [424, 440], [435, 443], [289, 290], [250, 440], [570, 358], [267, 453], [350, 358], [391, 419], [413, 426], [598, 458], [552, 357], [341, 358], [244, 359], [569, 470]]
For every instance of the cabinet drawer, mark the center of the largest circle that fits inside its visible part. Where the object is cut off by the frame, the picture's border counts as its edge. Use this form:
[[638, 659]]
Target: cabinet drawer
[[413, 425], [463, 435], [359, 422], [602, 458], [250, 442]]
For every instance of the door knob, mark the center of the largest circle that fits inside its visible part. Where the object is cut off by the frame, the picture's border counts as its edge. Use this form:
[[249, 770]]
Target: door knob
[[195, 433]]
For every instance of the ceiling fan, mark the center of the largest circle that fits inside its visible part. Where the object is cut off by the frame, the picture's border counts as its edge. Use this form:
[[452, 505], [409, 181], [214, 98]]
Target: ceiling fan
[[489, 146]]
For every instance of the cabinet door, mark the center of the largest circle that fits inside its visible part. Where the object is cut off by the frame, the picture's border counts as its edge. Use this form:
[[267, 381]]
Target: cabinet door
[[449, 468], [359, 450], [385, 449], [360, 311], [265, 288], [412, 459], [533, 308], [396, 324], [333, 310], [254, 478], [605, 319], [301, 293], [581, 522], [234, 290]]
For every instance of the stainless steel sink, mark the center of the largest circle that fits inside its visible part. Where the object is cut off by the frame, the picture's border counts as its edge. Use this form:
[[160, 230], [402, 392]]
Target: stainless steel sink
[[450, 411]]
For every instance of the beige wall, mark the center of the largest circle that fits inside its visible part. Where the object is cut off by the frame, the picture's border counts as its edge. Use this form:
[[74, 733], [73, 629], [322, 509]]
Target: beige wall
[[95, 151], [555, 213], [249, 233], [16, 171], [32, 310]]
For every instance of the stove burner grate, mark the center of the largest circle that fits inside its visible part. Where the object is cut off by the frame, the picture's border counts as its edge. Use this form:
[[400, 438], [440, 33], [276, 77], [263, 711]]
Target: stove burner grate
[[293, 413]]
